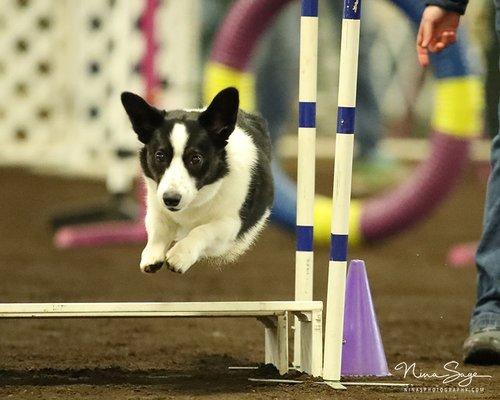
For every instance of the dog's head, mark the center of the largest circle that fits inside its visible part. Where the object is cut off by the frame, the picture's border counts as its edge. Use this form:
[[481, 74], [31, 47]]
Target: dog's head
[[184, 151]]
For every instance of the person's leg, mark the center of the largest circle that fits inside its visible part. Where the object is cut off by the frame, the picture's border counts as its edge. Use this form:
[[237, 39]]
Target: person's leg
[[277, 67], [212, 15], [368, 122], [483, 345], [277, 73], [373, 170], [487, 311], [369, 128]]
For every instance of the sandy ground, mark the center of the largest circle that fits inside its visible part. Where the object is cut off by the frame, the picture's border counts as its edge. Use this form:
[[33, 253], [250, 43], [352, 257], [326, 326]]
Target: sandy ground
[[422, 305]]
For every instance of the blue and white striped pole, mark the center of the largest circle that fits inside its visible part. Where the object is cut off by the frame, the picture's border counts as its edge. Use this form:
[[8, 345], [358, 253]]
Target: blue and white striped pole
[[341, 190], [306, 161]]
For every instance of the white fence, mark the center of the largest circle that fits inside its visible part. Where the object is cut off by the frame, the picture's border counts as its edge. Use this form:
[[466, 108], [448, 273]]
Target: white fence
[[63, 64]]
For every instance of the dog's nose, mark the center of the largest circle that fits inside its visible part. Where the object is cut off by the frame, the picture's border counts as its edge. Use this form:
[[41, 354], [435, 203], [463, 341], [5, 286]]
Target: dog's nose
[[171, 199]]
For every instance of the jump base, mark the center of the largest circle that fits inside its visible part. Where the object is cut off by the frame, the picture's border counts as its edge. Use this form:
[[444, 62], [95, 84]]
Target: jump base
[[273, 314]]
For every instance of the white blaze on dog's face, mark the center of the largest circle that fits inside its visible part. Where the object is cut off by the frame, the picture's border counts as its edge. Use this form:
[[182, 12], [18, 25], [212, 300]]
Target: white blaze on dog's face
[[184, 151], [177, 184]]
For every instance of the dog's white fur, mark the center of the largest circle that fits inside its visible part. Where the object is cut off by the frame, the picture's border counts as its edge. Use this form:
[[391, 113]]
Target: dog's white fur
[[208, 221]]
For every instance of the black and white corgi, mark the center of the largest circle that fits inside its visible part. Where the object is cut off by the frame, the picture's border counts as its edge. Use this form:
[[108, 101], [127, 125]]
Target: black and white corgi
[[208, 179]]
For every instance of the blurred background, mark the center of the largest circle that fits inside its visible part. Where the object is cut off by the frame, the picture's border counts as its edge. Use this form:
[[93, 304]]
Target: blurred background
[[64, 63], [71, 203]]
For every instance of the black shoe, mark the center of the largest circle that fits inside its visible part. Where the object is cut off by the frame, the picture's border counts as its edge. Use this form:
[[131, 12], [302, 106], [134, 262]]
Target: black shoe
[[483, 348]]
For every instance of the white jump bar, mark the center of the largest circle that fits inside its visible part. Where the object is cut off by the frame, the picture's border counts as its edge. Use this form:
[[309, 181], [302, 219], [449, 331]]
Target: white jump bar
[[156, 309]]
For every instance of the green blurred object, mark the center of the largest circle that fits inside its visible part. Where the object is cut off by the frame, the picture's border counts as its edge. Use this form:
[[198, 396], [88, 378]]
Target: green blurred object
[[376, 172]]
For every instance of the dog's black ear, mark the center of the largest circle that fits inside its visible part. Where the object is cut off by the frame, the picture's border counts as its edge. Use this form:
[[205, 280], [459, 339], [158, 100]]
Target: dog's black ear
[[145, 118], [219, 119]]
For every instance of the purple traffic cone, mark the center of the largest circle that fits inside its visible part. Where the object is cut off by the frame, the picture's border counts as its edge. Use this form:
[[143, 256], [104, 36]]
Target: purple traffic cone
[[363, 351]]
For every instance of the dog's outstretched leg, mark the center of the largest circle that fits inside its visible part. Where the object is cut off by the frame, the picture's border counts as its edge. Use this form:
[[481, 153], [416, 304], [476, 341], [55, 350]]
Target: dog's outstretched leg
[[161, 233], [217, 234]]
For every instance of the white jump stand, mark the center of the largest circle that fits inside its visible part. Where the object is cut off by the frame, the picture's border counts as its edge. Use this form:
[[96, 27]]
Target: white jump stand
[[273, 314]]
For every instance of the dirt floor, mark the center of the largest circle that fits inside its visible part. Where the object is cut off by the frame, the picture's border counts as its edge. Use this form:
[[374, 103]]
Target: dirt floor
[[422, 305]]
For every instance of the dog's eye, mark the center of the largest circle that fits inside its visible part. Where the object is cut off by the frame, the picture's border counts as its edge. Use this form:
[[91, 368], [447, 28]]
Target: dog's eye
[[195, 160], [160, 156]]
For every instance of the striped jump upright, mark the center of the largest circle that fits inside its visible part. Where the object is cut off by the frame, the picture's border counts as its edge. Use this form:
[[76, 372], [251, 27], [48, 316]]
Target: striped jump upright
[[341, 189], [306, 164]]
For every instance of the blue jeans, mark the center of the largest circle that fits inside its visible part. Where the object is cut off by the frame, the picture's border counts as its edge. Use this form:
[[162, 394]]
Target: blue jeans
[[486, 314]]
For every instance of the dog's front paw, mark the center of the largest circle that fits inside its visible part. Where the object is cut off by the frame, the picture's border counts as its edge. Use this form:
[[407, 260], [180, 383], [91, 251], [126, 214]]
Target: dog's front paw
[[152, 259], [152, 268], [181, 257]]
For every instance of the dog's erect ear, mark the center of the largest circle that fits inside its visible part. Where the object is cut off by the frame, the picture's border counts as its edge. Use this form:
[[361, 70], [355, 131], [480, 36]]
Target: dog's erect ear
[[145, 118], [219, 119]]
